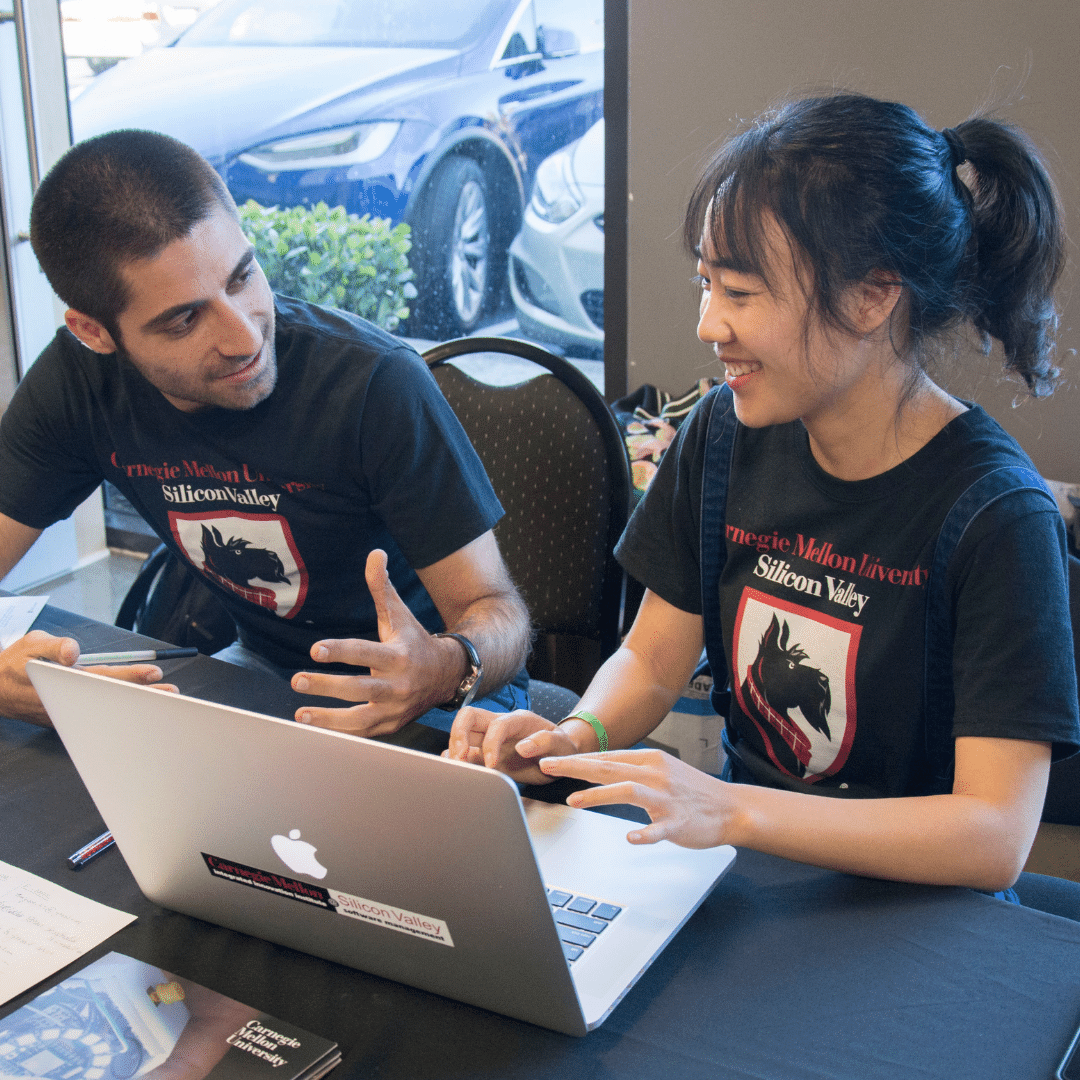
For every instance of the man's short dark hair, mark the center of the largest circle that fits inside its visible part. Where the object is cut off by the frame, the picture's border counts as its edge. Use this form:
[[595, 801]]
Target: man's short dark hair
[[113, 199]]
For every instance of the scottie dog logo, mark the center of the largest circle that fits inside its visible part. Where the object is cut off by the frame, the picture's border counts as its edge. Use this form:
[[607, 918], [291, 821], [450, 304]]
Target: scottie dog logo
[[797, 685], [238, 561], [780, 680], [251, 555]]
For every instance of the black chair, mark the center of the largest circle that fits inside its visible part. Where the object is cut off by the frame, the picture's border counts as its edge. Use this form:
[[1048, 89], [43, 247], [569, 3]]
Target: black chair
[[169, 601], [559, 466], [1062, 806]]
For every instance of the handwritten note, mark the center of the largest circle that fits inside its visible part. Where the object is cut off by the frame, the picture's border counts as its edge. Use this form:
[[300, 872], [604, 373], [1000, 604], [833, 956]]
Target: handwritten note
[[17, 614], [44, 927]]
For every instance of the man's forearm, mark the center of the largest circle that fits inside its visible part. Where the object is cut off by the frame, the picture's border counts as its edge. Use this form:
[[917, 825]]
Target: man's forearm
[[498, 627]]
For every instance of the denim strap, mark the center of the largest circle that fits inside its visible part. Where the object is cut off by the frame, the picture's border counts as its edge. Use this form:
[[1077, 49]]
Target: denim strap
[[716, 469], [938, 701]]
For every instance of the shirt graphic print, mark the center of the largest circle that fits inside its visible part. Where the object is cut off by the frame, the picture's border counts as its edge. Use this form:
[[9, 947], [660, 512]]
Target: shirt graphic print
[[795, 681], [251, 555]]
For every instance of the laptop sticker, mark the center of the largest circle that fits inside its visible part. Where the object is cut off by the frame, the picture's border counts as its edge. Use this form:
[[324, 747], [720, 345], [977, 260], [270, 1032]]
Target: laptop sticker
[[393, 918], [387, 916]]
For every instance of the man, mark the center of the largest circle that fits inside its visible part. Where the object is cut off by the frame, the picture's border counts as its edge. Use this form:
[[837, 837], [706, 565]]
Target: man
[[301, 458]]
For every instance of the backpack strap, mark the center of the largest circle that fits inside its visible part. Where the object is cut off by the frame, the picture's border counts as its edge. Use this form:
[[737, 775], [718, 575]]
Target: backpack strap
[[938, 700], [716, 471]]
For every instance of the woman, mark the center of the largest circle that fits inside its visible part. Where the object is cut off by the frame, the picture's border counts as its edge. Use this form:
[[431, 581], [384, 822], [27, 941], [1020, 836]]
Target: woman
[[839, 243]]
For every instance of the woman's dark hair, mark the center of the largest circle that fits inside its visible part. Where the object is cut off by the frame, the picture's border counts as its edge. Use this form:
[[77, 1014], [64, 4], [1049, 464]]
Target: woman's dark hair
[[865, 191], [113, 199]]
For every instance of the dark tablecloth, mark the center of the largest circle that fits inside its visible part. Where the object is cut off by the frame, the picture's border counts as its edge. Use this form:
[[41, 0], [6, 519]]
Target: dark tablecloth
[[785, 970]]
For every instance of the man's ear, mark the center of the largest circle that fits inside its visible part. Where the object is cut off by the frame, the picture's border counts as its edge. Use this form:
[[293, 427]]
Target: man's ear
[[873, 302], [89, 331]]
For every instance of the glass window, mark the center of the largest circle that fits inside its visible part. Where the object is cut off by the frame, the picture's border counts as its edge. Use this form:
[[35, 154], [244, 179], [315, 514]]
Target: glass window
[[433, 118], [373, 23]]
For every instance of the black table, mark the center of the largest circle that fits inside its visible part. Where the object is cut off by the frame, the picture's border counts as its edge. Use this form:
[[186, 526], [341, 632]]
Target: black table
[[785, 970]]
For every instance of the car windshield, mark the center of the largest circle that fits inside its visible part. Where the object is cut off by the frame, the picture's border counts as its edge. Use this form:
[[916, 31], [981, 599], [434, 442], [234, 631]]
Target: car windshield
[[379, 23]]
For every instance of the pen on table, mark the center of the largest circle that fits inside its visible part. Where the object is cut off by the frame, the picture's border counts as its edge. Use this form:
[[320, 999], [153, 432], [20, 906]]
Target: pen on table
[[94, 848], [133, 656]]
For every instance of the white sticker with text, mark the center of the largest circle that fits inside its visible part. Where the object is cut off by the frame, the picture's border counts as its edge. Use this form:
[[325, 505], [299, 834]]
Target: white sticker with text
[[408, 922]]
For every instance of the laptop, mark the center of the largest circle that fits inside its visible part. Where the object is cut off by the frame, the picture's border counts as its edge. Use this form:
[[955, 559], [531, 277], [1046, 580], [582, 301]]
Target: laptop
[[430, 872]]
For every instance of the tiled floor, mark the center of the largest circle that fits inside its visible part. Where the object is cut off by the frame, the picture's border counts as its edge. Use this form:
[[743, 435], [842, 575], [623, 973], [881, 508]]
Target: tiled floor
[[96, 590]]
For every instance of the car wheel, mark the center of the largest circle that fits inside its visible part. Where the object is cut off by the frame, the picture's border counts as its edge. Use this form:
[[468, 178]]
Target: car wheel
[[457, 252]]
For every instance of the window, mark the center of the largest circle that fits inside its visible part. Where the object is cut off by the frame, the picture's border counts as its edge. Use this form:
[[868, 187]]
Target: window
[[436, 115]]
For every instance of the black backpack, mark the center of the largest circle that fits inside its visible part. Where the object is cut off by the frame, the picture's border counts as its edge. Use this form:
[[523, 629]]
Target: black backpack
[[169, 601]]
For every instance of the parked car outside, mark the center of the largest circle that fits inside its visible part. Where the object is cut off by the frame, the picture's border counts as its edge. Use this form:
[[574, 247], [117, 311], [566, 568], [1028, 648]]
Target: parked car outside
[[437, 114], [100, 33], [557, 260]]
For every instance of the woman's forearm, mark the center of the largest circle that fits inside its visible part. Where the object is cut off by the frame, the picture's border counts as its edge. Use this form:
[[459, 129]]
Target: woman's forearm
[[640, 682], [937, 840], [978, 836]]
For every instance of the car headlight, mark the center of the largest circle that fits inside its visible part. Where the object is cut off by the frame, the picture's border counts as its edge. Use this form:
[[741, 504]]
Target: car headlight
[[324, 149], [556, 195]]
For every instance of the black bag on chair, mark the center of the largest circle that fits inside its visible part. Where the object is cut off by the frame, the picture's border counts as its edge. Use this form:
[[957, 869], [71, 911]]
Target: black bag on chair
[[168, 601]]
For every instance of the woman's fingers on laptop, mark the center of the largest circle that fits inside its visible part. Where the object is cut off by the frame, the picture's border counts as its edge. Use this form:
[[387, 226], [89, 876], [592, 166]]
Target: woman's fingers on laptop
[[686, 806], [467, 735], [510, 742]]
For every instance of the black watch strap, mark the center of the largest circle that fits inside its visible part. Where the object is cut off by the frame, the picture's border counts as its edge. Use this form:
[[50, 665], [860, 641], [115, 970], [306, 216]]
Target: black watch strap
[[466, 691]]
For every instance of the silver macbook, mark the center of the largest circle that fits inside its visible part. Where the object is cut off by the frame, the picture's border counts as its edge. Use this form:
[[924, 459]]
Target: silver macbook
[[419, 869]]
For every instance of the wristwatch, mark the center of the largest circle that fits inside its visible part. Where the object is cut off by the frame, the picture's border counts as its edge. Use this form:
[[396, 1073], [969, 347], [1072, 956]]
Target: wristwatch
[[471, 683]]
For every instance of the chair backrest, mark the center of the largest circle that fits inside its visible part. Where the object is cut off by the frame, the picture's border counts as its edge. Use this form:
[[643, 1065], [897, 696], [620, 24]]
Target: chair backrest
[[170, 601], [559, 466], [1062, 806]]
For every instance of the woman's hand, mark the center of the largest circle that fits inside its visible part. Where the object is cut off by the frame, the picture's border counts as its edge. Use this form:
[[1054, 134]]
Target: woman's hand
[[510, 742], [686, 806]]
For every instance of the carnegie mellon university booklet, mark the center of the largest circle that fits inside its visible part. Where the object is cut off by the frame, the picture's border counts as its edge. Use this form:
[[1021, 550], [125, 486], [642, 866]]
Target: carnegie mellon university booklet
[[120, 1019]]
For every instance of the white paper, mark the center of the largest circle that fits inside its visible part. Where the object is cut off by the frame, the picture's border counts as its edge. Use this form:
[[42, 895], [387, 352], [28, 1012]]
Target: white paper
[[44, 928], [17, 615]]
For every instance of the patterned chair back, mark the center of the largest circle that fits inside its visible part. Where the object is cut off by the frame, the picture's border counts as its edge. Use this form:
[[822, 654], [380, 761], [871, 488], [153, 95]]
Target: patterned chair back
[[558, 463]]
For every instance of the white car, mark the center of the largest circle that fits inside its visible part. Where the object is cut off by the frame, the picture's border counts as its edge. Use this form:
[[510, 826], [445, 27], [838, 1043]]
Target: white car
[[557, 260], [100, 33]]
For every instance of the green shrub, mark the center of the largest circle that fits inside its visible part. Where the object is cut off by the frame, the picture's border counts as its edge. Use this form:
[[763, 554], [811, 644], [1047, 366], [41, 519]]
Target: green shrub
[[333, 257]]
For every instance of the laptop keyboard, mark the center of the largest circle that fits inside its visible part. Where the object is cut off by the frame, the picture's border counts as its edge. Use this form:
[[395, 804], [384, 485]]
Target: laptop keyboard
[[580, 920]]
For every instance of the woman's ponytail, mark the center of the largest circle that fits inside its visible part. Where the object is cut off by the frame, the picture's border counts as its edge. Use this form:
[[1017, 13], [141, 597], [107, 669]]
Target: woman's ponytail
[[1018, 246]]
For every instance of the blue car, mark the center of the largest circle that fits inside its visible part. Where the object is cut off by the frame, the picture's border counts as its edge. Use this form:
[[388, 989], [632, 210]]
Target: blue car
[[433, 112]]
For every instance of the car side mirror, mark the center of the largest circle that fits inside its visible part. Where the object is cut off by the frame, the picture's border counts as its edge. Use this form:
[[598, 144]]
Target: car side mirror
[[555, 42]]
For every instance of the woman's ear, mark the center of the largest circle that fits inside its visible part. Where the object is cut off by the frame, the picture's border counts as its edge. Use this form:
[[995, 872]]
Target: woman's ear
[[89, 331], [873, 302]]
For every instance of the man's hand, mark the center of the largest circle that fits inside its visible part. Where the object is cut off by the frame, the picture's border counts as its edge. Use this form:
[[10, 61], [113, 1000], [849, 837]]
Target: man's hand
[[411, 671], [511, 742], [18, 698]]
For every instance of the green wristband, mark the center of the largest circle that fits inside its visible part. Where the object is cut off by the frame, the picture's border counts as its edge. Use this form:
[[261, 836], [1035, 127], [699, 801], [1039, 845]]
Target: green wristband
[[601, 734]]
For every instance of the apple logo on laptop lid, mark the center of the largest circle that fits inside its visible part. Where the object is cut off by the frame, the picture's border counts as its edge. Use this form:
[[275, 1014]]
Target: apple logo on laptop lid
[[298, 855]]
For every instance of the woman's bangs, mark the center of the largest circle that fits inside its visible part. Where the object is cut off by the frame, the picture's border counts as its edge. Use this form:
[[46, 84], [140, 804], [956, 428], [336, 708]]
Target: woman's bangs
[[735, 227]]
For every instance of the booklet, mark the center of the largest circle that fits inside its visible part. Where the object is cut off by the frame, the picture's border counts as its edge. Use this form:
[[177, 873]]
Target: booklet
[[119, 1019]]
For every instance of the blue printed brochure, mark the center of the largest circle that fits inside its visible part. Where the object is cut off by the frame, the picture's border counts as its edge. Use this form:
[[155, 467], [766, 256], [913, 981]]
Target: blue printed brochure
[[119, 1019]]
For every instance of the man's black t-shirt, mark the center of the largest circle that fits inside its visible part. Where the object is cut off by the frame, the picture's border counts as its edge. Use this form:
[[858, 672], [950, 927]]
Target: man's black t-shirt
[[823, 601], [278, 505]]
